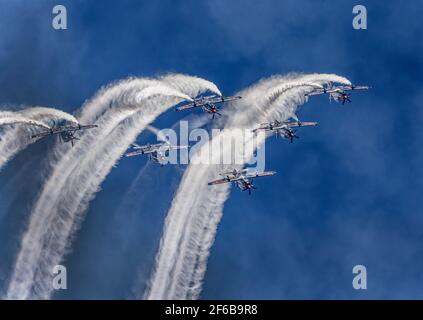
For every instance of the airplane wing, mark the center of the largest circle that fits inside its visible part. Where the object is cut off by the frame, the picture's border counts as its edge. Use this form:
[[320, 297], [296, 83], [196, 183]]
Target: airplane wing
[[136, 146], [349, 88], [147, 150], [265, 173], [52, 131], [316, 92], [177, 147], [88, 126], [263, 126], [307, 124], [143, 149], [231, 98], [260, 174], [361, 88], [232, 172], [157, 145], [272, 126], [334, 90], [77, 127], [300, 124], [41, 134], [134, 153], [198, 102], [187, 106], [319, 91], [243, 176], [220, 181], [224, 99]]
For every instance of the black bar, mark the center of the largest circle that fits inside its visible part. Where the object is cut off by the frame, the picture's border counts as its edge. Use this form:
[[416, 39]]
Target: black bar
[[211, 309]]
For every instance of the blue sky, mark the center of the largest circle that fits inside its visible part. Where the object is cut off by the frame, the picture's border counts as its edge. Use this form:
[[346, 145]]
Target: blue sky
[[348, 192]]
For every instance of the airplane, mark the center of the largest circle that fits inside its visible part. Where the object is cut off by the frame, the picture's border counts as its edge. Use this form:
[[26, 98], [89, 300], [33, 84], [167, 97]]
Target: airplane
[[338, 94], [242, 179], [284, 128], [208, 103], [66, 133], [156, 152]]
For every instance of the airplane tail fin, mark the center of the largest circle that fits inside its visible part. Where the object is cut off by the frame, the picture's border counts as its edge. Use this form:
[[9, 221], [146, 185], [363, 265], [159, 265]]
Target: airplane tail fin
[[294, 116], [135, 145]]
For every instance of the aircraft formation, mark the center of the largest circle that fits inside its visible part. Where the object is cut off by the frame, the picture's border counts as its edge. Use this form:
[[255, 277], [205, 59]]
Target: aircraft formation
[[210, 104], [285, 129]]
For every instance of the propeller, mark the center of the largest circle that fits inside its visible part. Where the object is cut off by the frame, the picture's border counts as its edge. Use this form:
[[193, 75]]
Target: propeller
[[291, 135], [52, 127], [250, 188], [214, 114], [72, 137], [345, 100]]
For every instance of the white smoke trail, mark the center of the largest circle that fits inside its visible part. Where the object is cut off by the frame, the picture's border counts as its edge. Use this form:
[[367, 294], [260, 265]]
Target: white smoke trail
[[20, 125], [59, 210], [46, 209], [11, 119], [120, 92], [157, 132], [196, 210], [194, 85], [47, 115], [134, 191]]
